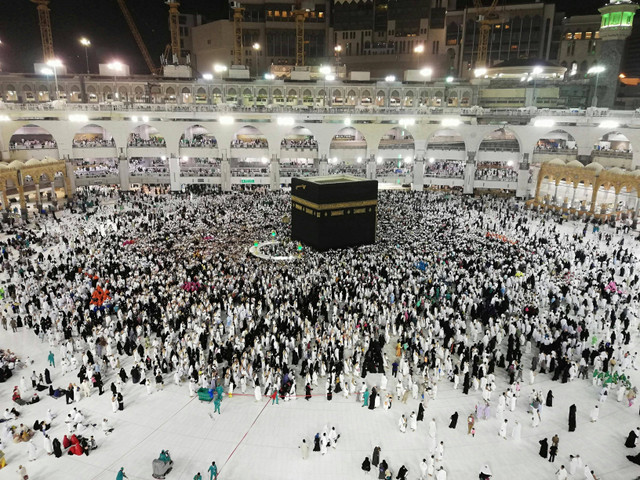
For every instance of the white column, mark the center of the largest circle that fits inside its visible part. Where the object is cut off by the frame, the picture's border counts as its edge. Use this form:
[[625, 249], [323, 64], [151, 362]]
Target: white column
[[418, 176], [274, 173], [174, 174], [469, 173], [225, 173], [124, 174]]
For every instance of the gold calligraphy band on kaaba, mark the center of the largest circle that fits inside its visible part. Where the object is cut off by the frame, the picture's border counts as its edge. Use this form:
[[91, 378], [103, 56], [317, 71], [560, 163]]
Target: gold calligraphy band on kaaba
[[333, 206]]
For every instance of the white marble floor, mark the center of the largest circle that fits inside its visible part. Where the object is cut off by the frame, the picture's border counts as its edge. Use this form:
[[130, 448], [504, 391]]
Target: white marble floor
[[249, 440]]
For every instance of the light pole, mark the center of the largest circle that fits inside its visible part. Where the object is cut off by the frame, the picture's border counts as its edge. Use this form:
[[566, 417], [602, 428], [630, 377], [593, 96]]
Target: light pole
[[217, 68], [337, 49], [418, 50], [85, 42], [536, 71], [256, 48], [597, 69], [55, 63], [115, 67], [326, 73], [47, 72]]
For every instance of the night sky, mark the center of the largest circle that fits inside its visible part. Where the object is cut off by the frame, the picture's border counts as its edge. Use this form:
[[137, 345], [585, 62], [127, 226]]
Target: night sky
[[102, 22]]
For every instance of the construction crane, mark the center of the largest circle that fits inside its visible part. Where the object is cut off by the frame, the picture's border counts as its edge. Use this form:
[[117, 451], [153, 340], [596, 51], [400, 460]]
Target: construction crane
[[174, 27], [45, 29], [238, 17], [299, 14], [136, 35], [487, 17]]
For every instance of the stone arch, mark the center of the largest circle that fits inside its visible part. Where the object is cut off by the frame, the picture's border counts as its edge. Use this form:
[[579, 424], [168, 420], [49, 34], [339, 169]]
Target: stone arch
[[32, 137], [197, 136], [337, 97], [145, 136], [614, 140], [249, 136], [298, 131], [216, 96], [503, 139], [93, 135], [298, 147], [556, 140], [446, 139], [232, 95], [351, 98], [394, 98], [397, 146], [92, 94], [348, 143]]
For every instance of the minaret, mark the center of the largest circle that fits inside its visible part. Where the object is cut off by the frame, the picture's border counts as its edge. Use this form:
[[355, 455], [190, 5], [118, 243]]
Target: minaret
[[617, 21]]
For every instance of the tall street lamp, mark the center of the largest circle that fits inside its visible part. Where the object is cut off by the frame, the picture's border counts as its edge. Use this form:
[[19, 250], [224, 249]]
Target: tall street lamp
[[85, 42], [115, 67], [418, 50], [217, 68], [54, 63], [337, 49], [47, 72], [597, 69], [256, 48]]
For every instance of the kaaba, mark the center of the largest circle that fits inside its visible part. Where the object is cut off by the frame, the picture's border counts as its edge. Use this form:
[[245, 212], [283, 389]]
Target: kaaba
[[336, 211]]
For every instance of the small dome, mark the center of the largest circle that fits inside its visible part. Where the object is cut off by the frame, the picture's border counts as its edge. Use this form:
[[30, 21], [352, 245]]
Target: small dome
[[4, 166], [16, 165], [635, 173], [575, 163], [556, 161], [595, 166], [617, 171], [31, 162]]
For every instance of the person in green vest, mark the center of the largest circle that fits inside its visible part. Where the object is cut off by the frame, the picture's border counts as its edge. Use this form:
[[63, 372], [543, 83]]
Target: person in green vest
[[198, 476], [216, 405], [121, 475], [213, 470], [366, 398], [52, 360]]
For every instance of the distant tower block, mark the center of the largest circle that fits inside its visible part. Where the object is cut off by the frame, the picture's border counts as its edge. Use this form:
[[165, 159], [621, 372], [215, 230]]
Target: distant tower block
[[617, 21]]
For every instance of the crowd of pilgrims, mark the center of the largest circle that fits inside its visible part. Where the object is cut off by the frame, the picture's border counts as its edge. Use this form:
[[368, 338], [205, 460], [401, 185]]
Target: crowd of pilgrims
[[449, 301]]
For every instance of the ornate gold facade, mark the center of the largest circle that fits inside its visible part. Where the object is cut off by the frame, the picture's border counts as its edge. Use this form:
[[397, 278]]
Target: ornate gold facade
[[592, 177]]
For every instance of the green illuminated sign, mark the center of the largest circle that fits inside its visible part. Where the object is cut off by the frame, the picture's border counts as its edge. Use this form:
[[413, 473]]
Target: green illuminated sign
[[247, 180]]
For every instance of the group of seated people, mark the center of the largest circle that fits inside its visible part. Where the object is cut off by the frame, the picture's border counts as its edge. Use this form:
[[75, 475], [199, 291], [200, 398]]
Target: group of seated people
[[302, 143], [8, 361], [391, 169], [136, 140], [294, 170], [144, 170], [199, 141], [21, 433], [213, 171], [605, 148], [455, 145], [255, 143], [24, 144], [501, 174], [249, 171], [76, 445], [344, 168], [553, 146], [96, 171], [17, 398], [444, 169], [95, 142]]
